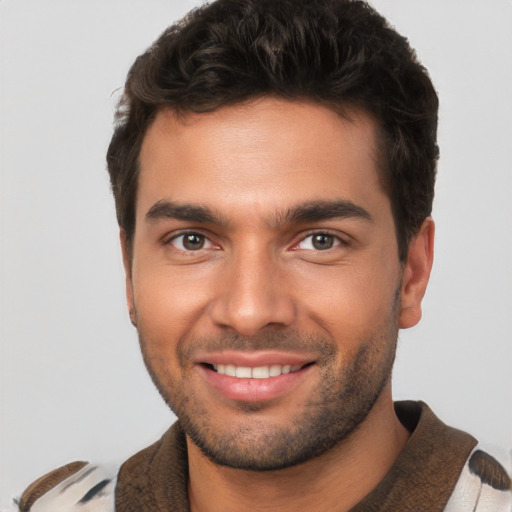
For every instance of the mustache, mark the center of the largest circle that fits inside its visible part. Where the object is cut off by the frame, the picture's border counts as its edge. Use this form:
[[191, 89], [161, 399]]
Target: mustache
[[322, 347]]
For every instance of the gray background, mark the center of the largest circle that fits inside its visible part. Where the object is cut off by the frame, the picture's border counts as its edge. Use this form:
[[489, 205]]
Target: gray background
[[72, 382]]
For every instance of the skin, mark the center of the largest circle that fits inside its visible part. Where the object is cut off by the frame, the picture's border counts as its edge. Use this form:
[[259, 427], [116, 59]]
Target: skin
[[258, 287]]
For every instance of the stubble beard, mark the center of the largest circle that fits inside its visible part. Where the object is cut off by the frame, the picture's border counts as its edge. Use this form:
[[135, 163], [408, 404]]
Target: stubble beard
[[339, 405]]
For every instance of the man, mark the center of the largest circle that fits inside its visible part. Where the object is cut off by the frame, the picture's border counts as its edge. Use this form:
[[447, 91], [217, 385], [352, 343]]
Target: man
[[273, 169]]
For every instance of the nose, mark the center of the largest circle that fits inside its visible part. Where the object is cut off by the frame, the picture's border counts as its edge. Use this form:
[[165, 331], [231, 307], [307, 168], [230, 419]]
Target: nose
[[253, 293]]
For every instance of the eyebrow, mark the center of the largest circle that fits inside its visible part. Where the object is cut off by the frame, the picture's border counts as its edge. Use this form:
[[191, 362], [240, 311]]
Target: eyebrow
[[312, 211], [164, 209], [316, 211]]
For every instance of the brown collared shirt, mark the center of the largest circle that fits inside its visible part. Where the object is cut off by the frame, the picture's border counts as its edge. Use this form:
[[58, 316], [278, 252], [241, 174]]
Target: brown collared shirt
[[439, 469]]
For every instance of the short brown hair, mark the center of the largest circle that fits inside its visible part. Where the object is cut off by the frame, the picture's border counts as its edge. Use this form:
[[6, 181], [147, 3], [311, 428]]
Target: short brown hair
[[337, 52]]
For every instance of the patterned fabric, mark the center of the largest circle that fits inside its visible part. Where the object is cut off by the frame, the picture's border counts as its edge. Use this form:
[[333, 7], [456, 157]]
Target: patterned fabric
[[440, 469], [484, 486], [89, 489]]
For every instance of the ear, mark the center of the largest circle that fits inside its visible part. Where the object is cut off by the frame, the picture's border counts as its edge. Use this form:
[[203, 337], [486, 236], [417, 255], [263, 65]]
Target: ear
[[416, 274], [127, 262]]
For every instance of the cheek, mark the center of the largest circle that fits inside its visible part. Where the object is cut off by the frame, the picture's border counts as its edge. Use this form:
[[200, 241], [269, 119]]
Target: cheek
[[350, 302], [169, 302]]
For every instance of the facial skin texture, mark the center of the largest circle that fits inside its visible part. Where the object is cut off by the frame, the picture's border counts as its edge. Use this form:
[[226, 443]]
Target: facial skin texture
[[240, 184]]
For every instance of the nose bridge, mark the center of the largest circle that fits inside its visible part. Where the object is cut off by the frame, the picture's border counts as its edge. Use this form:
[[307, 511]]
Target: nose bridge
[[253, 293]]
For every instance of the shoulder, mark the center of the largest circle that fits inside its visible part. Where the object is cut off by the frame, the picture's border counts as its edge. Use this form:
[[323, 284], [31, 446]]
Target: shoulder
[[75, 486], [483, 486], [87, 487]]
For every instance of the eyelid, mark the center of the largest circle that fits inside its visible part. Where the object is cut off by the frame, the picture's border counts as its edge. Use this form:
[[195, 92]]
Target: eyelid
[[341, 240], [171, 237]]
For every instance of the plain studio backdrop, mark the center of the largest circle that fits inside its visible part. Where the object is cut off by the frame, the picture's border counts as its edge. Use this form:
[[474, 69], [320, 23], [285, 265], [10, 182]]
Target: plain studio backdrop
[[73, 385]]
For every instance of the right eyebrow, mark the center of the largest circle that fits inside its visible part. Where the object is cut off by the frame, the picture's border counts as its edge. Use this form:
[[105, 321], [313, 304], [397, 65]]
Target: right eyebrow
[[165, 209], [318, 211]]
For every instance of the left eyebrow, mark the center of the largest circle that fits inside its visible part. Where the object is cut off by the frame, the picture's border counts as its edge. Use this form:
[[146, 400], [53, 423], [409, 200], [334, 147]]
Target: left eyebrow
[[316, 211], [188, 212]]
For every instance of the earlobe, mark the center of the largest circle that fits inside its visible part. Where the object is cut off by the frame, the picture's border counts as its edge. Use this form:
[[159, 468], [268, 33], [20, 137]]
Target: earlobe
[[127, 262], [416, 274]]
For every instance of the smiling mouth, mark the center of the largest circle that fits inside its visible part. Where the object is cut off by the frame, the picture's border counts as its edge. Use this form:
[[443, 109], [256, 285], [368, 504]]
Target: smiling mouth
[[257, 372]]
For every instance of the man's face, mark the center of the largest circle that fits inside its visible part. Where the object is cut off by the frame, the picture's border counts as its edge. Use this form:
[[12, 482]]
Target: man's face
[[265, 277]]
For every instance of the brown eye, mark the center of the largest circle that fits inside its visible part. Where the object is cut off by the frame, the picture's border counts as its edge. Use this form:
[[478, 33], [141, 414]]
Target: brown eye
[[321, 242], [191, 242]]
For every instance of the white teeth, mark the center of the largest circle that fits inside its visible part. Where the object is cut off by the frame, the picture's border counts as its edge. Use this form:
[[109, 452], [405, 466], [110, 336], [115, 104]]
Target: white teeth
[[275, 370], [243, 372], [258, 372]]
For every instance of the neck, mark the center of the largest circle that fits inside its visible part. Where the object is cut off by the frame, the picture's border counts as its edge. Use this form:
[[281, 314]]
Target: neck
[[336, 480]]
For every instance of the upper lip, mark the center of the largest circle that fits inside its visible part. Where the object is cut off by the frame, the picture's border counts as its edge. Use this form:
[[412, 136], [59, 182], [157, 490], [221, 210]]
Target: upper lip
[[254, 358]]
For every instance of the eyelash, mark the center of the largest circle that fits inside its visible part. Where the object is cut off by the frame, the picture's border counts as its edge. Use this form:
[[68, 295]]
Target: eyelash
[[183, 235], [337, 241]]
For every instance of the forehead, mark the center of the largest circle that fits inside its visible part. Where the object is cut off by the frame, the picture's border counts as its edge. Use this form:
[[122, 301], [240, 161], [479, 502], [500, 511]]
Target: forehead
[[259, 155]]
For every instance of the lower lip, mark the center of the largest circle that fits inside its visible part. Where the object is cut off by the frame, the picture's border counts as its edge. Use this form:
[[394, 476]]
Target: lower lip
[[253, 390]]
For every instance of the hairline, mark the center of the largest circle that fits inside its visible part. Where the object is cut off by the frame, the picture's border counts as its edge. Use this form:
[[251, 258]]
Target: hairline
[[343, 109]]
